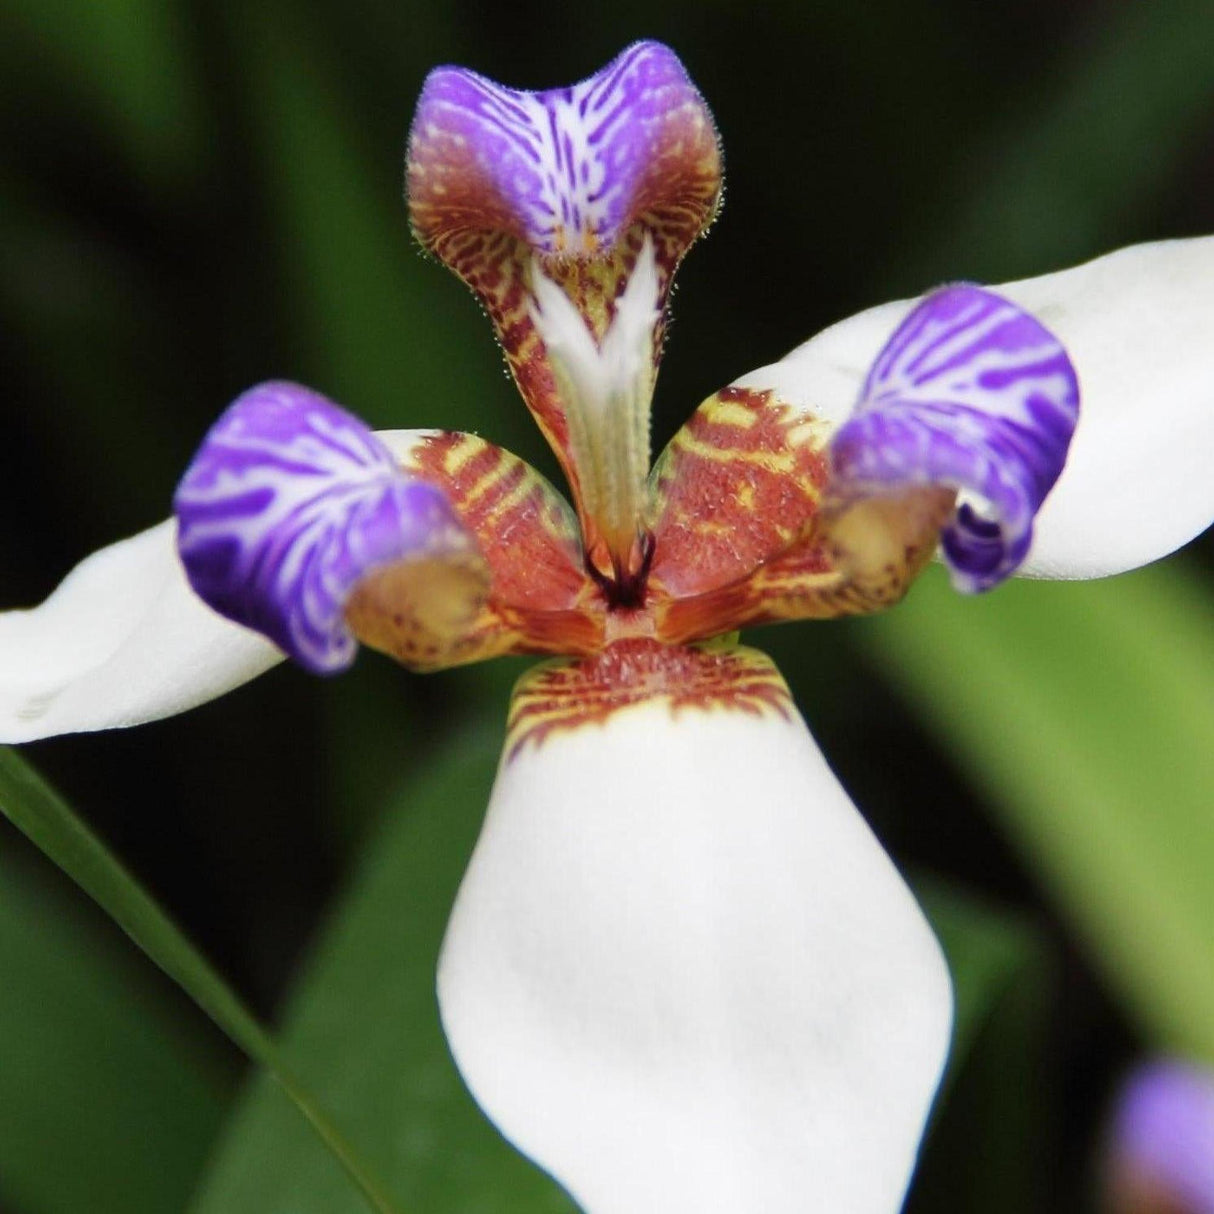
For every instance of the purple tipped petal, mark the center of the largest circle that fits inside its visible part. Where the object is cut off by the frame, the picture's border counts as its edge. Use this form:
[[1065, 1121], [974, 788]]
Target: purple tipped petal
[[969, 393], [1161, 1147], [566, 170], [288, 505]]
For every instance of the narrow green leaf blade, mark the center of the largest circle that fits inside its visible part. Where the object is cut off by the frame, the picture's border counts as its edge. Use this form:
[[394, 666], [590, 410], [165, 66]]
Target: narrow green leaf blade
[[364, 1030], [51, 825], [1086, 713], [99, 1077]]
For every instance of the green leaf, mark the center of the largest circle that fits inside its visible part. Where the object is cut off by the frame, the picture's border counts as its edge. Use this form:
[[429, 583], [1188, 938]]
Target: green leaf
[[364, 1031], [984, 1150], [989, 953], [99, 1077], [51, 825], [130, 63], [1085, 712], [1130, 103], [388, 332]]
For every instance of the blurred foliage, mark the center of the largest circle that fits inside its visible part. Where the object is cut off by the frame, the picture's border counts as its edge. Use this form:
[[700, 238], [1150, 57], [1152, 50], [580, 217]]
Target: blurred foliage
[[1092, 737], [40, 814], [364, 1027], [989, 1145], [102, 1071], [198, 194]]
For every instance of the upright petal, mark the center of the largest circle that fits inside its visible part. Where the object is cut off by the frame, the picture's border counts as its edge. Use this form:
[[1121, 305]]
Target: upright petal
[[563, 187], [540, 599], [123, 640], [1136, 326], [764, 510], [681, 974], [568, 170], [294, 513]]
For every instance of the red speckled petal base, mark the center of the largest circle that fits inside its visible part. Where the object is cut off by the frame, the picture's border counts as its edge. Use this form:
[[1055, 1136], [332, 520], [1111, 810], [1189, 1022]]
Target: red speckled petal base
[[570, 694]]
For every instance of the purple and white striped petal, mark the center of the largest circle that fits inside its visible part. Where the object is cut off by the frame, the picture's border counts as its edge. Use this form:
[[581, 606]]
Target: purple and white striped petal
[[1160, 1149], [289, 504], [974, 394], [566, 170], [1136, 325]]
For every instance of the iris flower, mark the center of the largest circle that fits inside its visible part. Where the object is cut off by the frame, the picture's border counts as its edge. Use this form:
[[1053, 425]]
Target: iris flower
[[680, 974], [1159, 1149]]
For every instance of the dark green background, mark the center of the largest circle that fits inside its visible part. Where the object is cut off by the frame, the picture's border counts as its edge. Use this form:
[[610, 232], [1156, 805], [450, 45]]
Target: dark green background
[[195, 196]]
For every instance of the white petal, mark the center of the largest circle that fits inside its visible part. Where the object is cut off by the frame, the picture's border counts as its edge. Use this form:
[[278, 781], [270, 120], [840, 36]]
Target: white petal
[[121, 641], [682, 975], [124, 640], [404, 443], [1139, 327]]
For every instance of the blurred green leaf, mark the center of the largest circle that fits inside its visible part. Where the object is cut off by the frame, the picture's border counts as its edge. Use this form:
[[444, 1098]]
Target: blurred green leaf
[[989, 953], [98, 1079], [48, 822], [984, 1148], [1130, 102], [364, 1031], [129, 61], [75, 308], [1086, 713], [387, 331]]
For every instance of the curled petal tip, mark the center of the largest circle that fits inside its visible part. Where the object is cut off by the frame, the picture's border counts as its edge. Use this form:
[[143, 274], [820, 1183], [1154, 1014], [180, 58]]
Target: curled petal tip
[[973, 394], [1136, 327], [289, 506]]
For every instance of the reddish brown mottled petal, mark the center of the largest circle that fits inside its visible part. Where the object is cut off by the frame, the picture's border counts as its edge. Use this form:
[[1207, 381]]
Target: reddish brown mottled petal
[[855, 564], [744, 532], [738, 484], [568, 694], [539, 598]]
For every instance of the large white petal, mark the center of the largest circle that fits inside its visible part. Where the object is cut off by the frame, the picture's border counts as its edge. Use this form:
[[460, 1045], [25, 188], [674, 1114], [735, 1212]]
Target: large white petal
[[1138, 325], [682, 975], [121, 641]]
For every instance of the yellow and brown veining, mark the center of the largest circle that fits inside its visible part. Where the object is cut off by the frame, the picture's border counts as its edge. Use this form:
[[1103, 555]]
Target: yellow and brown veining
[[588, 691], [744, 533], [498, 266], [537, 596], [738, 484], [525, 528]]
